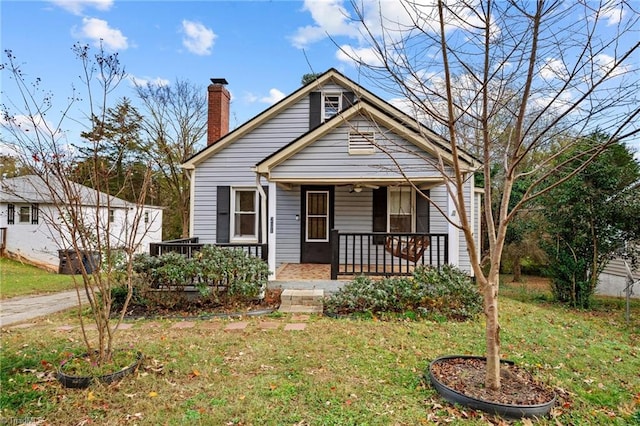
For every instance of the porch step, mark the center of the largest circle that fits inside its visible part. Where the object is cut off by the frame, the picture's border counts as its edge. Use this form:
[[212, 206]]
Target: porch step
[[297, 301]]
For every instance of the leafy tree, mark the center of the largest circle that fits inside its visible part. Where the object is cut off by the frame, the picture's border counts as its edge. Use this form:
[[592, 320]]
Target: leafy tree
[[589, 217], [308, 78], [116, 143], [505, 80]]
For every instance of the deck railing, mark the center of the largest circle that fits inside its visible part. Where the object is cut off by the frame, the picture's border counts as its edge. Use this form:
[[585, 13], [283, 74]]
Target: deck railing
[[385, 254], [188, 246]]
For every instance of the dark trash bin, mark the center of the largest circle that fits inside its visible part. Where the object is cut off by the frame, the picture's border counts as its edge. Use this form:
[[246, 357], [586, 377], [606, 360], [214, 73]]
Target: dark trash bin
[[71, 262]]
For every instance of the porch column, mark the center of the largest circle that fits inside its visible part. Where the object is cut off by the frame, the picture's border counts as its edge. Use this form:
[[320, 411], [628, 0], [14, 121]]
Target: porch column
[[453, 231], [271, 229]]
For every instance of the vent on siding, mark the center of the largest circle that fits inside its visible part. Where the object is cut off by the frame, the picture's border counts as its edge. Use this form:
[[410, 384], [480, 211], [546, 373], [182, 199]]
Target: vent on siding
[[361, 143]]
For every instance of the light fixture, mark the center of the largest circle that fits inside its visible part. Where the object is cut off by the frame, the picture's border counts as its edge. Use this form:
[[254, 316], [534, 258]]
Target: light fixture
[[357, 188]]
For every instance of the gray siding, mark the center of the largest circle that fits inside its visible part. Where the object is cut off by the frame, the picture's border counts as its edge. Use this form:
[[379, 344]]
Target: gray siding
[[232, 165], [329, 157]]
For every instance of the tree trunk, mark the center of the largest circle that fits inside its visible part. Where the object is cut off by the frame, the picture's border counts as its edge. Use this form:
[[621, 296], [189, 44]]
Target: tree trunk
[[492, 335], [517, 269]]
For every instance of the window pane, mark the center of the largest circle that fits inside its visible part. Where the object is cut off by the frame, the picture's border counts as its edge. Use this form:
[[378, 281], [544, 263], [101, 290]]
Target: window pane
[[245, 225], [400, 201], [331, 106], [317, 228], [399, 223], [245, 201], [25, 215], [317, 203]]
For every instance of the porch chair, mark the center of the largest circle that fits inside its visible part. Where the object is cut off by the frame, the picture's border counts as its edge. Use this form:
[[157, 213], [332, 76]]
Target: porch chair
[[411, 248]]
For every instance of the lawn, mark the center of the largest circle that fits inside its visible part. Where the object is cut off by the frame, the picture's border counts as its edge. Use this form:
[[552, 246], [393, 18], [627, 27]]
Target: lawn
[[19, 279], [334, 372]]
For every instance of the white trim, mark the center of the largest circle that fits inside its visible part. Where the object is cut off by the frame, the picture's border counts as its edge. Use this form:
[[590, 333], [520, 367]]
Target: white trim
[[232, 214], [192, 199], [306, 217], [272, 231], [453, 231]]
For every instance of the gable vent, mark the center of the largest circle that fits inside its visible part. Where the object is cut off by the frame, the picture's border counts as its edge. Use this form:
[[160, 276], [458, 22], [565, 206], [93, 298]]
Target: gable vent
[[361, 143]]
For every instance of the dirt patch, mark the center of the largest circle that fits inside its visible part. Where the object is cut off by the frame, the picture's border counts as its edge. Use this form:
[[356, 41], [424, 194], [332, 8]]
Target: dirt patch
[[467, 376]]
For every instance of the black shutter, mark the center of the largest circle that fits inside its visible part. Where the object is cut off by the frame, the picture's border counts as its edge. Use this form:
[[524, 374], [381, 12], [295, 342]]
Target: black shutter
[[347, 100], [379, 213], [315, 106], [422, 213], [11, 214], [34, 214], [222, 214]]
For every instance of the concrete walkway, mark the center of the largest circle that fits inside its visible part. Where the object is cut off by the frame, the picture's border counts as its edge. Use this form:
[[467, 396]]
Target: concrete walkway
[[21, 309]]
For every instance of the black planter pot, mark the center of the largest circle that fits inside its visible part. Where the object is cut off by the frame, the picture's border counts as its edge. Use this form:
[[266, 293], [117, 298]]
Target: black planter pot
[[81, 382], [512, 411]]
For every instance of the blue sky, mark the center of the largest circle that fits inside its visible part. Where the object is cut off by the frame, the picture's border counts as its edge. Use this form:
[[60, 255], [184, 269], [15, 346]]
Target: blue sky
[[261, 47], [256, 46]]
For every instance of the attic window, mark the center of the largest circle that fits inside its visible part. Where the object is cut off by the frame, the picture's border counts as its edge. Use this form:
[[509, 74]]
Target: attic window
[[331, 105], [361, 143]]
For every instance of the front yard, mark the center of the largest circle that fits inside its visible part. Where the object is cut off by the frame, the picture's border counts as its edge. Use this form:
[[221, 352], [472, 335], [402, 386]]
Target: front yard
[[333, 372]]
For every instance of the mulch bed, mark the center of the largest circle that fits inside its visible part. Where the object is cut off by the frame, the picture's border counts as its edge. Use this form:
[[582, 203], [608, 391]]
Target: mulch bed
[[203, 307], [467, 376]]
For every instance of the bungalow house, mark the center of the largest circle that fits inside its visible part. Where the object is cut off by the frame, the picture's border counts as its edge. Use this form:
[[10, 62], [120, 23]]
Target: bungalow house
[[30, 221], [332, 174]]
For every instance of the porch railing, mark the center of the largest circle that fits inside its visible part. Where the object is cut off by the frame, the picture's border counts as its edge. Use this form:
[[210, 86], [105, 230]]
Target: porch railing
[[385, 254], [188, 246]]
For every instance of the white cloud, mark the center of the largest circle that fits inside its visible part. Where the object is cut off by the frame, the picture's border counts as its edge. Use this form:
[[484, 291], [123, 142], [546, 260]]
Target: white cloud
[[552, 69], [612, 13], [198, 39], [605, 63], [77, 6], [274, 96], [330, 18], [354, 55], [144, 81], [99, 30]]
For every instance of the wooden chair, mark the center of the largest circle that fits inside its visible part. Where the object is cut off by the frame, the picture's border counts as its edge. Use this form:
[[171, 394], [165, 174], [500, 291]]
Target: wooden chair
[[410, 249]]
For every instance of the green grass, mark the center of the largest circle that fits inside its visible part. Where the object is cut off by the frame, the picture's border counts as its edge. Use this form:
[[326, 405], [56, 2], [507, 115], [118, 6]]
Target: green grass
[[18, 279], [335, 372]]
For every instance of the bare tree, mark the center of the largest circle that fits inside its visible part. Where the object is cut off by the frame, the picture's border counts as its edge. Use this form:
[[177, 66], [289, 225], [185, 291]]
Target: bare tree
[[175, 122], [79, 218], [506, 80]]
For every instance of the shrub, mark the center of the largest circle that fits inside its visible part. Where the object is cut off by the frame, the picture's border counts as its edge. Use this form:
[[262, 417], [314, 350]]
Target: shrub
[[431, 292], [222, 275]]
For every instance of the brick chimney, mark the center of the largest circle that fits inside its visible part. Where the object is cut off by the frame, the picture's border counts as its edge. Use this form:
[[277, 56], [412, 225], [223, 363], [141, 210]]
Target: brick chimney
[[218, 117]]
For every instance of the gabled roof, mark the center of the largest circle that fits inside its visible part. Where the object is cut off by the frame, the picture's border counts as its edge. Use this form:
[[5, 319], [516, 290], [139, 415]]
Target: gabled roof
[[361, 94], [366, 109], [33, 189]]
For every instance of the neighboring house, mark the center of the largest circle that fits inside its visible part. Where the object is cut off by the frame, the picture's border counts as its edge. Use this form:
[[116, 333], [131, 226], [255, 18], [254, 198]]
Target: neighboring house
[[321, 177], [31, 220]]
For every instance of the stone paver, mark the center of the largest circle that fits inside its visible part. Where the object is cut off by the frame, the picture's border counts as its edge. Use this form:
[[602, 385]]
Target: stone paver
[[236, 326], [184, 324], [65, 328], [300, 318], [295, 326], [125, 326]]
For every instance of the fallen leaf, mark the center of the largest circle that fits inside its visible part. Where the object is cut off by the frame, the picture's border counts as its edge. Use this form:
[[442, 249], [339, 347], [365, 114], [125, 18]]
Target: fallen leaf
[[90, 396], [153, 394]]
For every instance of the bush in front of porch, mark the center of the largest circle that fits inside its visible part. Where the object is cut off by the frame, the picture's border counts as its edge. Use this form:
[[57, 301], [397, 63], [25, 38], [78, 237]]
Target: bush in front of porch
[[444, 293]]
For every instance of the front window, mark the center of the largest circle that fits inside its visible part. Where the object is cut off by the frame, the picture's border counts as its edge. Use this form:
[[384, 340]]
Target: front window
[[112, 215], [245, 214], [331, 104], [400, 217], [317, 216], [25, 214]]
